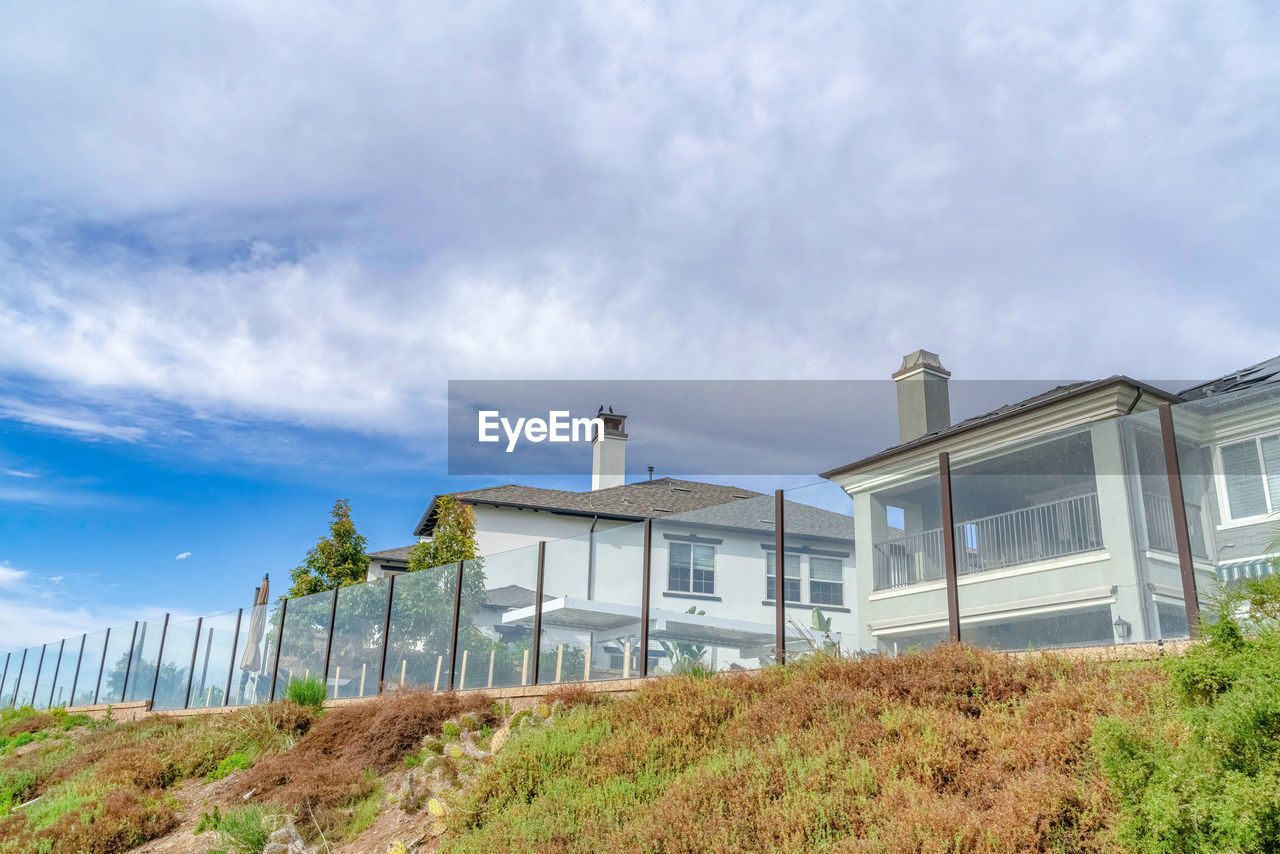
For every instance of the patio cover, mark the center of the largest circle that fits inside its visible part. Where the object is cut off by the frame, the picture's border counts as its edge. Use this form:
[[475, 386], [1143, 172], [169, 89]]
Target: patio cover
[[1257, 567]]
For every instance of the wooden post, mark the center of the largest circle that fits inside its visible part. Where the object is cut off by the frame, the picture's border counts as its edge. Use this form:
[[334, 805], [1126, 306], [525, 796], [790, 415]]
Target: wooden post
[[435, 686], [559, 660], [462, 677], [626, 662], [337, 675], [586, 666], [1181, 532], [404, 662], [949, 546], [492, 653], [363, 667], [524, 669]]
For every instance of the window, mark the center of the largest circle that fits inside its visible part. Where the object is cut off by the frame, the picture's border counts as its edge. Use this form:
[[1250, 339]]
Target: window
[[1251, 476], [791, 585], [826, 581], [691, 568]]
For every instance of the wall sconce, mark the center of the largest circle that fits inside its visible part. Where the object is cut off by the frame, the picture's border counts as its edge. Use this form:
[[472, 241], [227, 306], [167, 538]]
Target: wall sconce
[[1122, 627]]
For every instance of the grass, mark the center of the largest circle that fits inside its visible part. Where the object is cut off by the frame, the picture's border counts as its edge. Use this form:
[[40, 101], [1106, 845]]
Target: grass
[[309, 692], [242, 830]]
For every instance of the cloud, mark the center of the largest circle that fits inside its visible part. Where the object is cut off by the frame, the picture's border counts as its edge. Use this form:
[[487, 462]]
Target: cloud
[[10, 577], [183, 556], [639, 191], [14, 473]]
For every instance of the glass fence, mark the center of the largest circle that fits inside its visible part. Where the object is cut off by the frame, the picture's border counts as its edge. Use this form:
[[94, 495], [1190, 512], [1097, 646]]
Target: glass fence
[[1083, 536]]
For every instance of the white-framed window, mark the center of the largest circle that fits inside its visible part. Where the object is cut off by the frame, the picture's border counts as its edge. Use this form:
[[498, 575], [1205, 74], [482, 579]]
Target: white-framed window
[[791, 582], [1250, 476], [691, 568], [826, 581]]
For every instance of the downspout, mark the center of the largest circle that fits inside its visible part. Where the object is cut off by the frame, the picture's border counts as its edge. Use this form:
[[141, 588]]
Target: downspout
[[591, 559]]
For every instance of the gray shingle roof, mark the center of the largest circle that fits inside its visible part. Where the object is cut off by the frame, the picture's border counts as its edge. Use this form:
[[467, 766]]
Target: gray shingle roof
[[511, 596], [645, 499], [1253, 376], [756, 514], [400, 553]]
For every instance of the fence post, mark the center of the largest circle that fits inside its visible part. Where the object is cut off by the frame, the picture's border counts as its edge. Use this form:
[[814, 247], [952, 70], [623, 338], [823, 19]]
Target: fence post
[[328, 647], [57, 668], [102, 665], [75, 677], [949, 546], [779, 578], [155, 679], [235, 645], [386, 631], [537, 609], [457, 611], [17, 682], [39, 669], [646, 574], [7, 656], [275, 667], [191, 671], [128, 664], [1181, 533]]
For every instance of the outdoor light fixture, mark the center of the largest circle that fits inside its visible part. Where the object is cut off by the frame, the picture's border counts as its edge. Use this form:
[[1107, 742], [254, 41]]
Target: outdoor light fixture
[[1122, 627]]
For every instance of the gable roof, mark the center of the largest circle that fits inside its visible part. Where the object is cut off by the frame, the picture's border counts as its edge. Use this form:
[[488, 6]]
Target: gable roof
[[756, 514], [631, 502], [1056, 395], [1263, 373], [399, 554]]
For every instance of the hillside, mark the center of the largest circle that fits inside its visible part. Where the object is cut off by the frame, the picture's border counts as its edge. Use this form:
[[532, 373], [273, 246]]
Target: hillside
[[951, 750]]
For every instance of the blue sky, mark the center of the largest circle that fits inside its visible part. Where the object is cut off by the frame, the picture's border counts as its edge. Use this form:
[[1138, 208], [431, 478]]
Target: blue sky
[[243, 246]]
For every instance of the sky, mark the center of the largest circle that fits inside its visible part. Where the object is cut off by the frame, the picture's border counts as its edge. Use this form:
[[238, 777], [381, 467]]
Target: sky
[[244, 246]]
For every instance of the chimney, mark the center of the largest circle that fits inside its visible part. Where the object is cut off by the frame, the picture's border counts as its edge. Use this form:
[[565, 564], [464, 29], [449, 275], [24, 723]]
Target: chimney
[[923, 403], [609, 452]]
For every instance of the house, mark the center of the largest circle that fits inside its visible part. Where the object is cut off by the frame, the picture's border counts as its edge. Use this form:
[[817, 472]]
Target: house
[[1064, 526]]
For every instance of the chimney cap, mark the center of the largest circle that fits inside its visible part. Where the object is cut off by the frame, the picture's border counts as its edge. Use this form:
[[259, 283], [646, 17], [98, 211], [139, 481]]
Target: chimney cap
[[921, 360]]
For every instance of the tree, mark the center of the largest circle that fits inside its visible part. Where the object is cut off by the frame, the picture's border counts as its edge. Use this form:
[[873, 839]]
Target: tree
[[454, 540], [337, 560]]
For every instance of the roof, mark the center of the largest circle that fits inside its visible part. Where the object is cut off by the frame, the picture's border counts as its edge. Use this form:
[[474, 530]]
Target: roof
[[511, 596], [632, 502], [757, 514], [400, 553], [1262, 373], [1055, 395]]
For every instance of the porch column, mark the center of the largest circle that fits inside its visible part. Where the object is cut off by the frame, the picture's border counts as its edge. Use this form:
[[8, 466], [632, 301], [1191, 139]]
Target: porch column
[[868, 525], [1118, 534]]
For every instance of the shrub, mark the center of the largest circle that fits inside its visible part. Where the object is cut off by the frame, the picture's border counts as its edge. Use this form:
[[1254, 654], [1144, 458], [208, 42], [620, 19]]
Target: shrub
[[307, 692], [242, 830], [237, 761]]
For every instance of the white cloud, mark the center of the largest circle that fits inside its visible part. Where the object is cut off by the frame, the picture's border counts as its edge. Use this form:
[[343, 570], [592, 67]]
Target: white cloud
[[14, 473], [10, 577], [183, 556]]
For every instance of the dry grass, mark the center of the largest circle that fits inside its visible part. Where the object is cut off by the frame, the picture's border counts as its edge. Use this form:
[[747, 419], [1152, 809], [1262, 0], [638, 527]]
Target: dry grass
[[954, 750]]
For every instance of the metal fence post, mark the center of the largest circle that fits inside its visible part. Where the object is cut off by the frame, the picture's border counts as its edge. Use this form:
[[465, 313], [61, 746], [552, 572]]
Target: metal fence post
[[328, 646], [646, 573], [1181, 533], [155, 679], [457, 614], [191, 671], [779, 578], [949, 546], [7, 656], [102, 665], [57, 668], [275, 667], [128, 664], [75, 677], [386, 632], [537, 609], [39, 669], [18, 682], [235, 645]]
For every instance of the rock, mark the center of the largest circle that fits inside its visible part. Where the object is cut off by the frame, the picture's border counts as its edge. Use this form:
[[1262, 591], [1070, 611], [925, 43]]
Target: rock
[[286, 840]]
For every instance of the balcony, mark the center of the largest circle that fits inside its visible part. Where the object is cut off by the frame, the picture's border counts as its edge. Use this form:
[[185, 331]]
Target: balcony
[[1160, 532], [1026, 535]]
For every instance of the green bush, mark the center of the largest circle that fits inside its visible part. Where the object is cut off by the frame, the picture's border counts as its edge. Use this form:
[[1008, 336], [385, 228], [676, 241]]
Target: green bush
[[237, 761], [307, 692], [243, 830], [1214, 785]]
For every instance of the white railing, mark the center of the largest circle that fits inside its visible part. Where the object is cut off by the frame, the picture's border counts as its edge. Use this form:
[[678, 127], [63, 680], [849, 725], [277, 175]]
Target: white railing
[[1160, 531], [1026, 535]]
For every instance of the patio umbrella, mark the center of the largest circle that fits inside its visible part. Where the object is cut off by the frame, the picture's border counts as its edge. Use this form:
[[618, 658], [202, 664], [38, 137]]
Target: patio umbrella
[[251, 661]]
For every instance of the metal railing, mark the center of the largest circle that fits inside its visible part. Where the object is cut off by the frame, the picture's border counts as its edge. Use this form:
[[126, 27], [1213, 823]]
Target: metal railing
[[1160, 529], [1026, 535]]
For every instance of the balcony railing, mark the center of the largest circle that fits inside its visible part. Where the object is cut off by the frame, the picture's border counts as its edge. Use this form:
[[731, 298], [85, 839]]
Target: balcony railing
[[1160, 531], [1026, 535]]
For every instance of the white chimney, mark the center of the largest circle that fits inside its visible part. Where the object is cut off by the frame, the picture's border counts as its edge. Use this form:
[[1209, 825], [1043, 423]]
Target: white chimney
[[924, 404], [609, 453]]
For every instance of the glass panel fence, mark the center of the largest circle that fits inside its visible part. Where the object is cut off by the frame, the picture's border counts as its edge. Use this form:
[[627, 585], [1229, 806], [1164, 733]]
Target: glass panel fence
[[357, 640], [62, 686], [1229, 456], [421, 626], [26, 682], [86, 688], [819, 571], [175, 665], [255, 649], [10, 676], [306, 633], [146, 652], [495, 630], [115, 668], [591, 610], [214, 650], [707, 607], [44, 679]]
